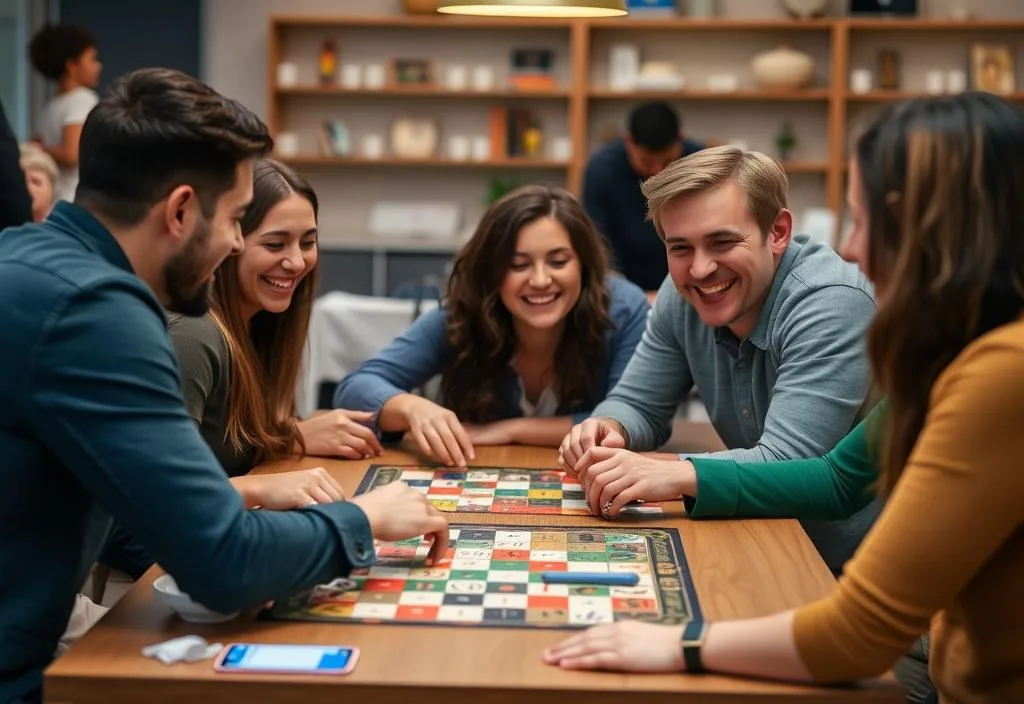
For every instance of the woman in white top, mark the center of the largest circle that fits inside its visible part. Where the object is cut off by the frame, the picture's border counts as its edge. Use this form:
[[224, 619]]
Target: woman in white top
[[66, 54]]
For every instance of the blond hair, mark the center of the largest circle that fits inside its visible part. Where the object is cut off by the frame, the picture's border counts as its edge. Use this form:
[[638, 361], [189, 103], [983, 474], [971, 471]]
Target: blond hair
[[32, 158], [762, 178]]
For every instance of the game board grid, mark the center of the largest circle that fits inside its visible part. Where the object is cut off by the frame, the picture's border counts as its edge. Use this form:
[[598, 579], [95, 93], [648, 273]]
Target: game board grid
[[494, 579], [495, 490]]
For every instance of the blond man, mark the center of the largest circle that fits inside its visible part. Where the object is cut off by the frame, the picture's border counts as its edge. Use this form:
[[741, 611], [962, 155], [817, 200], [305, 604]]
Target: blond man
[[768, 326]]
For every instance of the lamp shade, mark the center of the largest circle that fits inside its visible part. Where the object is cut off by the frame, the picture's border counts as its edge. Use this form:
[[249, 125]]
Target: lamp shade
[[534, 8]]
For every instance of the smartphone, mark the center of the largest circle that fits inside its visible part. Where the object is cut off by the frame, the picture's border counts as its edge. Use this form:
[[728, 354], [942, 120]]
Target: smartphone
[[287, 659]]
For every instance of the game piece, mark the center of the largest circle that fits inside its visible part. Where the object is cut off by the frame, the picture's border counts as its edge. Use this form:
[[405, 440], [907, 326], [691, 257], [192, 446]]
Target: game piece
[[494, 576], [613, 579], [513, 490]]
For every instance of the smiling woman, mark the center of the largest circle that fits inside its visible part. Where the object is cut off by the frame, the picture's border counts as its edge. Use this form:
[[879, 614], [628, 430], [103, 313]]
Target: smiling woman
[[534, 333]]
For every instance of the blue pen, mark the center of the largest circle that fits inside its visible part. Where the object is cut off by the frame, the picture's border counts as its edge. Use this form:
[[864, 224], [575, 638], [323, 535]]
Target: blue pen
[[614, 579]]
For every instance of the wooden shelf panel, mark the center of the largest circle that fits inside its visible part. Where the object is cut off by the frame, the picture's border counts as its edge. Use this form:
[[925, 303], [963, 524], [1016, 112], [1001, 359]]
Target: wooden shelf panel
[[421, 91], [747, 94], [714, 24], [882, 24], [805, 167], [417, 22], [433, 162], [884, 96]]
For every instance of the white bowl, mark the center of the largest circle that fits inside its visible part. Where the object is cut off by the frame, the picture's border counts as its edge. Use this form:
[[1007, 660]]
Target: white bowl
[[166, 591]]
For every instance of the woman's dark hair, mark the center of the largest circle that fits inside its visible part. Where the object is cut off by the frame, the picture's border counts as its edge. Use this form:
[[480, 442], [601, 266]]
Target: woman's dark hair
[[942, 179], [479, 380]]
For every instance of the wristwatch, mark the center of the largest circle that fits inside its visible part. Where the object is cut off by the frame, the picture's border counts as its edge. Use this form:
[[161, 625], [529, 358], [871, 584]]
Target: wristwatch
[[693, 638]]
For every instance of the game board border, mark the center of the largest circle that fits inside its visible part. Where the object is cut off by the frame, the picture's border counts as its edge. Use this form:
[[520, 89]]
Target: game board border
[[688, 589]]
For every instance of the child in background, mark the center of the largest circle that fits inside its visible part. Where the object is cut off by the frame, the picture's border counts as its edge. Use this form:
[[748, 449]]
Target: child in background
[[66, 54]]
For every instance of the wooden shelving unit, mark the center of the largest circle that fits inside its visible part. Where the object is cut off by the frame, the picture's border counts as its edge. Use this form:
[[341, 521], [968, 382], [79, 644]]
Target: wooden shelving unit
[[579, 97]]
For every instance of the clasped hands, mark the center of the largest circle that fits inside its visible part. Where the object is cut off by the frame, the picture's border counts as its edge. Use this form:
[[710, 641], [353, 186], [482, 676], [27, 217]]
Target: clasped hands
[[612, 476]]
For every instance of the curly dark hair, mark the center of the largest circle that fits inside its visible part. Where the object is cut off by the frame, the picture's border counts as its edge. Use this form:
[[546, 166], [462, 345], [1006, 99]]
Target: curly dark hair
[[55, 44], [942, 179], [479, 326]]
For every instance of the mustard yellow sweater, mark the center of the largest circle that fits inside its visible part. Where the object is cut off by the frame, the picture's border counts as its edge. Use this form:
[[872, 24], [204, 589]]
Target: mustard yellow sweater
[[948, 548]]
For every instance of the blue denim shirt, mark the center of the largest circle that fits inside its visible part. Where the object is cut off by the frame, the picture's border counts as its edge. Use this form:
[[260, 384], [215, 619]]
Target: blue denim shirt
[[423, 351], [92, 424]]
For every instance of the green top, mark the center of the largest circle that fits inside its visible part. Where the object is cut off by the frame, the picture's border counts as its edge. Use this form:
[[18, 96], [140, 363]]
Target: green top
[[832, 487]]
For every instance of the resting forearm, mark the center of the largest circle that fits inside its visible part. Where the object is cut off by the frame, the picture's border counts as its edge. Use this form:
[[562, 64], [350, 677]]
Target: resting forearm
[[394, 415], [761, 647]]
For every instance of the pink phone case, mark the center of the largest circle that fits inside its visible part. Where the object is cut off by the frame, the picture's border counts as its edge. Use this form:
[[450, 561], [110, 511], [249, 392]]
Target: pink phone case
[[218, 664]]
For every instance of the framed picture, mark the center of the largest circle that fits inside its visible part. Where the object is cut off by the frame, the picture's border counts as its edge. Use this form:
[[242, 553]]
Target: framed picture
[[992, 68], [411, 72]]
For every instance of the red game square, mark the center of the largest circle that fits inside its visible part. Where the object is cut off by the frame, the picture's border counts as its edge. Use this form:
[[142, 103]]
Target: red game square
[[554, 510], [548, 566], [416, 613], [537, 601], [384, 585], [514, 555], [444, 491]]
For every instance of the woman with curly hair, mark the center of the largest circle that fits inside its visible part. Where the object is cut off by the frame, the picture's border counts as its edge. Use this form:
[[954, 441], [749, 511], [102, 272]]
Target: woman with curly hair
[[533, 333]]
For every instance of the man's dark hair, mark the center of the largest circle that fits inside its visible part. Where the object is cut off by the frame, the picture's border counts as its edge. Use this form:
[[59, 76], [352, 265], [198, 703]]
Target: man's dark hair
[[55, 44], [157, 129], [654, 126]]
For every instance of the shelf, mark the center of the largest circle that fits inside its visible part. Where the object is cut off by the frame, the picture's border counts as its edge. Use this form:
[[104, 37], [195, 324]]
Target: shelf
[[747, 94], [433, 162], [904, 24], [421, 91], [714, 24], [438, 21], [805, 167], [884, 96]]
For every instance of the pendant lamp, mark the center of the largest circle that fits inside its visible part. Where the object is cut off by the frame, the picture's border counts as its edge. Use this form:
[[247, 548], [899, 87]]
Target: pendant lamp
[[534, 8]]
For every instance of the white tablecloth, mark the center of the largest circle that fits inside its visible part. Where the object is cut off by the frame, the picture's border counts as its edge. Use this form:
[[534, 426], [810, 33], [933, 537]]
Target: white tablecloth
[[344, 330]]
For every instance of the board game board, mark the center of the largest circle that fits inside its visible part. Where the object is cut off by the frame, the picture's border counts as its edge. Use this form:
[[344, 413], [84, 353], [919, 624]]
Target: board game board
[[492, 577], [496, 489]]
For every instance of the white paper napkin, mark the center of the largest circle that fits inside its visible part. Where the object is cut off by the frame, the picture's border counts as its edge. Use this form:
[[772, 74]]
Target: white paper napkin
[[183, 649]]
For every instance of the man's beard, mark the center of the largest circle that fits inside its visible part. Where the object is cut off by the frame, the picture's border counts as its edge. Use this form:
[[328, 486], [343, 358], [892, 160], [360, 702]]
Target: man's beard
[[186, 292]]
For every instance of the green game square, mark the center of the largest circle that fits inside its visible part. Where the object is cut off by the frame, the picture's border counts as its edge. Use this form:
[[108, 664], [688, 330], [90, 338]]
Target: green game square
[[509, 565], [424, 585], [469, 574], [509, 493], [474, 544], [588, 556], [535, 578], [477, 485]]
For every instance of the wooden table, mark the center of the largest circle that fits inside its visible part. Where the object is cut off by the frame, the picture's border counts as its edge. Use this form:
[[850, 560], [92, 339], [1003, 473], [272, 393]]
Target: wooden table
[[741, 568]]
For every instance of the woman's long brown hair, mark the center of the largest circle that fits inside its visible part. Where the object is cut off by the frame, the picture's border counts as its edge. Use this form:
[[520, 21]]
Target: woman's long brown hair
[[479, 380], [943, 179], [266, 351]]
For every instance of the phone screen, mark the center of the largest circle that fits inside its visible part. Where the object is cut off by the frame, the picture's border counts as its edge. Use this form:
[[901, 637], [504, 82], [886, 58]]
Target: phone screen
[[293, 658]]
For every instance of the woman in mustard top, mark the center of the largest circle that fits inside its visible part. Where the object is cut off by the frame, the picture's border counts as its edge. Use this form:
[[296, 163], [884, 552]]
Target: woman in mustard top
[[933, 193]]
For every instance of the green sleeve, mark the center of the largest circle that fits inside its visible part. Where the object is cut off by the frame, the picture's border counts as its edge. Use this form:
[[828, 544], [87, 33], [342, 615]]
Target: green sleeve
[[832, 487]]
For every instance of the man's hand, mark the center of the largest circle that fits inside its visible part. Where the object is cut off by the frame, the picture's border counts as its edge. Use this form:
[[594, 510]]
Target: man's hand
[[397, 512], [612, 478], [602, 432]]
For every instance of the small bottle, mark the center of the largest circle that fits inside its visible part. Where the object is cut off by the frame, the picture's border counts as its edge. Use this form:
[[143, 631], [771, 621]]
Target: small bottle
[[328, 65]]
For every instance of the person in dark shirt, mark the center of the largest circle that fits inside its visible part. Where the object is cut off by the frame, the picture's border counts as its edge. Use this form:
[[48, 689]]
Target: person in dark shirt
[[15, 202], [93, 425], [611, 190]]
